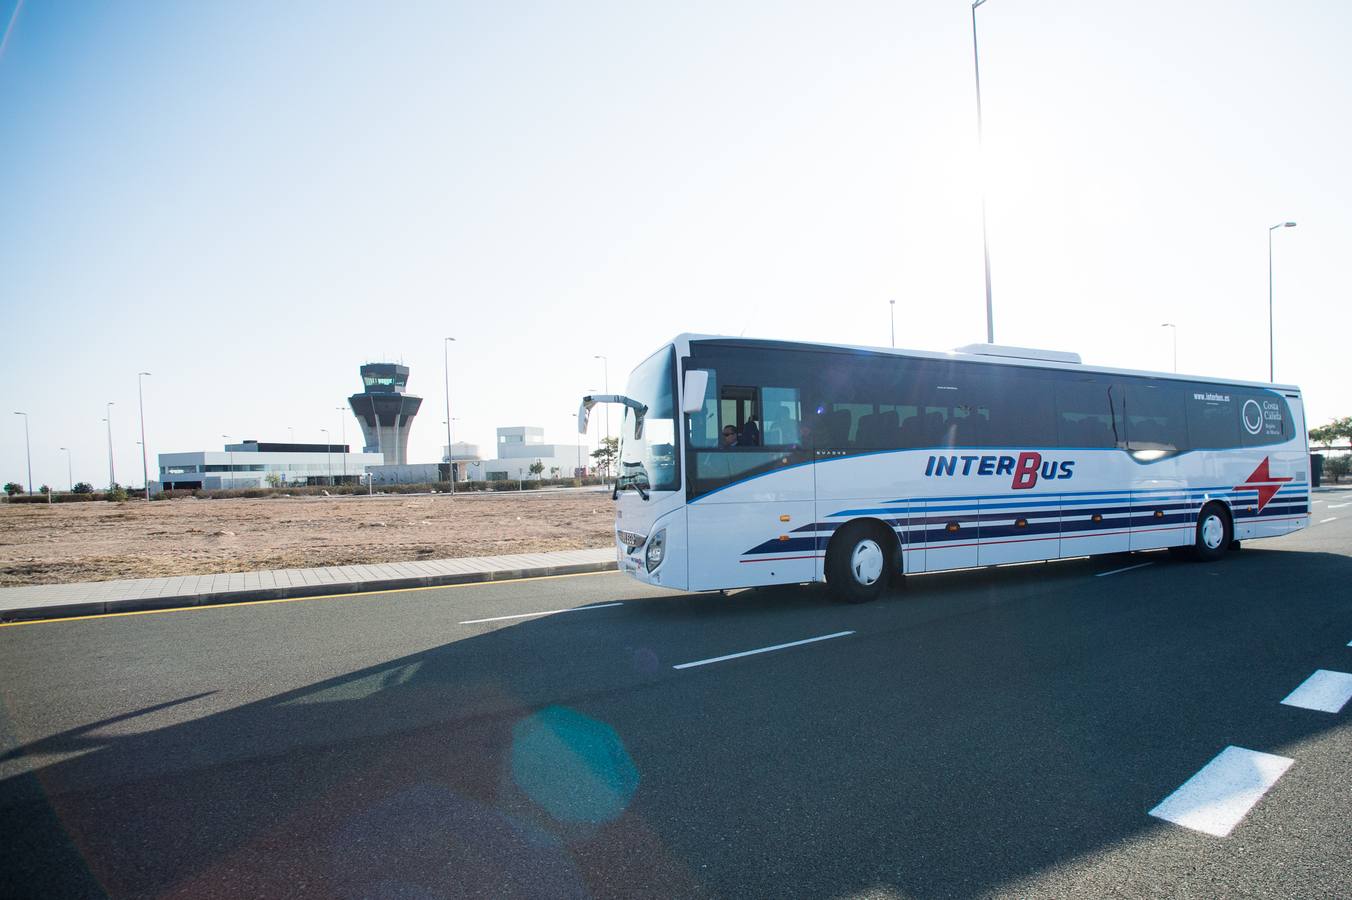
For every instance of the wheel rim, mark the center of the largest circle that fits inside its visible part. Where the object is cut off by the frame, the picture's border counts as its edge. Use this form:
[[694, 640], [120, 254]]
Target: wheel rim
[[1213, 531], [866, 562]]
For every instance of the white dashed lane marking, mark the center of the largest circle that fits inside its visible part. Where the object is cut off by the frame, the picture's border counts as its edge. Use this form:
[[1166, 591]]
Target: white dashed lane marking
[[1329, 519], [1127, 569], [1219, 796], [1323, 691], [705, 662], [1339, 505], [548, 612]]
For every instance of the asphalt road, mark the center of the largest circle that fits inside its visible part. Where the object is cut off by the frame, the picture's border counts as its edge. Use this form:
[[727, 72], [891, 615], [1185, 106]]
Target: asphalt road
[[993, 732]]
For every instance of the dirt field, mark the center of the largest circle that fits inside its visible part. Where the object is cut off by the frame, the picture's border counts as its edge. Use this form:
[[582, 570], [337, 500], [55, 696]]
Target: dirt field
[[97, 541]]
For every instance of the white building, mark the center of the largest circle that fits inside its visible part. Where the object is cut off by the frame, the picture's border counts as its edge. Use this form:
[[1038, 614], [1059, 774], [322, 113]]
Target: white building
[[460, 451], [251, 465], [522, 446]]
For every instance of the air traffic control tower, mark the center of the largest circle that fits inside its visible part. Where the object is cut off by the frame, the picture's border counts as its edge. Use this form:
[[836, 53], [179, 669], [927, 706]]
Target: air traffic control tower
[[385, 411]]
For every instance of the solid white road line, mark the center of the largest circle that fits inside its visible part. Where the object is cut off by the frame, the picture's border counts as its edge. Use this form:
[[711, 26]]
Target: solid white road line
[[1324, 691], [1218, 797], [548, 612], [705, 662], [1329, 519], [1127, 569]]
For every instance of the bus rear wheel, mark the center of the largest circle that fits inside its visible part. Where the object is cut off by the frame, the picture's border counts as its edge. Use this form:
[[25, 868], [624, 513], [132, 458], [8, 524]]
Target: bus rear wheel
[[860, 562], [1214, 533]]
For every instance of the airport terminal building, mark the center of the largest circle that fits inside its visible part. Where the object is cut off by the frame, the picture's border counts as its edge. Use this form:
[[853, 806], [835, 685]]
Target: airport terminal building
[[252, 464]]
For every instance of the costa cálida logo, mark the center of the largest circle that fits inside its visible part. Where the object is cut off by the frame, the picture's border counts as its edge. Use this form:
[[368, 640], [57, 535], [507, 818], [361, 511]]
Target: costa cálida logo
[[1025, 468]]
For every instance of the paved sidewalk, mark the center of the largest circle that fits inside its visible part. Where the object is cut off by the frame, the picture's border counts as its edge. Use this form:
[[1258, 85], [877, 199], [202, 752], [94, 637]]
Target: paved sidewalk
[[53, 601]]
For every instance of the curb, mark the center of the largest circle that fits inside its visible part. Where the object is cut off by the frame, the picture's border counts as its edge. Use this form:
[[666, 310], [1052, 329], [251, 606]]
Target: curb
[[74, 609]]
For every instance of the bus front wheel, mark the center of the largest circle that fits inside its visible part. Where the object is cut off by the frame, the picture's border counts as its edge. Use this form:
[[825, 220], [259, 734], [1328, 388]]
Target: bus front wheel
[[859, 563]]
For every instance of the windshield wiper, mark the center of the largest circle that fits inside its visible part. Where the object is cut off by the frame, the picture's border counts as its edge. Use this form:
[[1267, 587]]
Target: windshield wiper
[[631, 480], [621, 484]]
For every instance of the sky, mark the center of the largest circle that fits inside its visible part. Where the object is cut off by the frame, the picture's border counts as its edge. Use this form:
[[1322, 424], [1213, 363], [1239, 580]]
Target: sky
[[249, 200]]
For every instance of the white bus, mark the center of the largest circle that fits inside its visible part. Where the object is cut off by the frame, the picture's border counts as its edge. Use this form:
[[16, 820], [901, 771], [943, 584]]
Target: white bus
[[755, 462]]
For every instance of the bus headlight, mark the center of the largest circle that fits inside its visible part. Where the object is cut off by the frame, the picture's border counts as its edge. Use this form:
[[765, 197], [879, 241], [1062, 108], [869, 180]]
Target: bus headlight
[[656, 549]]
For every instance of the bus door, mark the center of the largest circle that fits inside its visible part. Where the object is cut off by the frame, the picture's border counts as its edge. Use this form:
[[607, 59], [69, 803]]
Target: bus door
[[751, 513]]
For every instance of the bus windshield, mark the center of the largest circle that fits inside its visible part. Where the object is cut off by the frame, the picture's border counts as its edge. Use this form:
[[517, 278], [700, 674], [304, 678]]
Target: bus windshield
[[648, 460]]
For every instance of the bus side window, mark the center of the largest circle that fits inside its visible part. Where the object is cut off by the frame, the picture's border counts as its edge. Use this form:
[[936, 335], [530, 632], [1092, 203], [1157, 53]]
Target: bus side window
[[783, 413], [1213, 418], [1264, 418], [1155, 417], [737, 410], [704, 424], [1089, 413]]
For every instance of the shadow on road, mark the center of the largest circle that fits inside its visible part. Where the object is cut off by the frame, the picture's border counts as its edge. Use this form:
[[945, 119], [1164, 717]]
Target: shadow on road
[[978, 728]]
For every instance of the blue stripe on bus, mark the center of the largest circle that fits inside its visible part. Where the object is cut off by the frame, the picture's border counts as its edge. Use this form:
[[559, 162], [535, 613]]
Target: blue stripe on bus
[[1140, 497], [924, 530]]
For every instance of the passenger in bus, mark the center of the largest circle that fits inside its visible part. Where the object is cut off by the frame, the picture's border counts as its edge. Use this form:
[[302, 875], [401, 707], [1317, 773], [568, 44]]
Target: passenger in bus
[[729, 437]]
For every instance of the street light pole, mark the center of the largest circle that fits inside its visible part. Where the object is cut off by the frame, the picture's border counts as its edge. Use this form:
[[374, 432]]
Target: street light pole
[[70, 472], [1271, 367], [605, 374], [231, 451], [112, 475], [28, 450], [446, 368], [342, 426], [980, 142], [140, 399], [1175, 334], [892, 311], [578, 471], [328, 454]]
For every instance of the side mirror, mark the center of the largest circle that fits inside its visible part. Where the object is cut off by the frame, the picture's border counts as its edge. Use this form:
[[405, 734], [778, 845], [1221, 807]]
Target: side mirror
[[696, 383], [583, 413]]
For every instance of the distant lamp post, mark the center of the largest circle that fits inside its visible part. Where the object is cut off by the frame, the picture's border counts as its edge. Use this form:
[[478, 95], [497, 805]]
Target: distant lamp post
[[112, 475], [70, 472], [892, 311], [28, 450], [980, 142], [446, 368], [1271, 359], [1174, 328], [328, 453], [140, 399], [342, 430], [231, 473], [579, 453], [605, 375]]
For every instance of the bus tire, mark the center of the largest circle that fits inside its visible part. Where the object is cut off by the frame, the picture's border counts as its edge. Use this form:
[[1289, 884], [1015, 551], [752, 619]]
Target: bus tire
[[859, 562], [1214, 532]]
